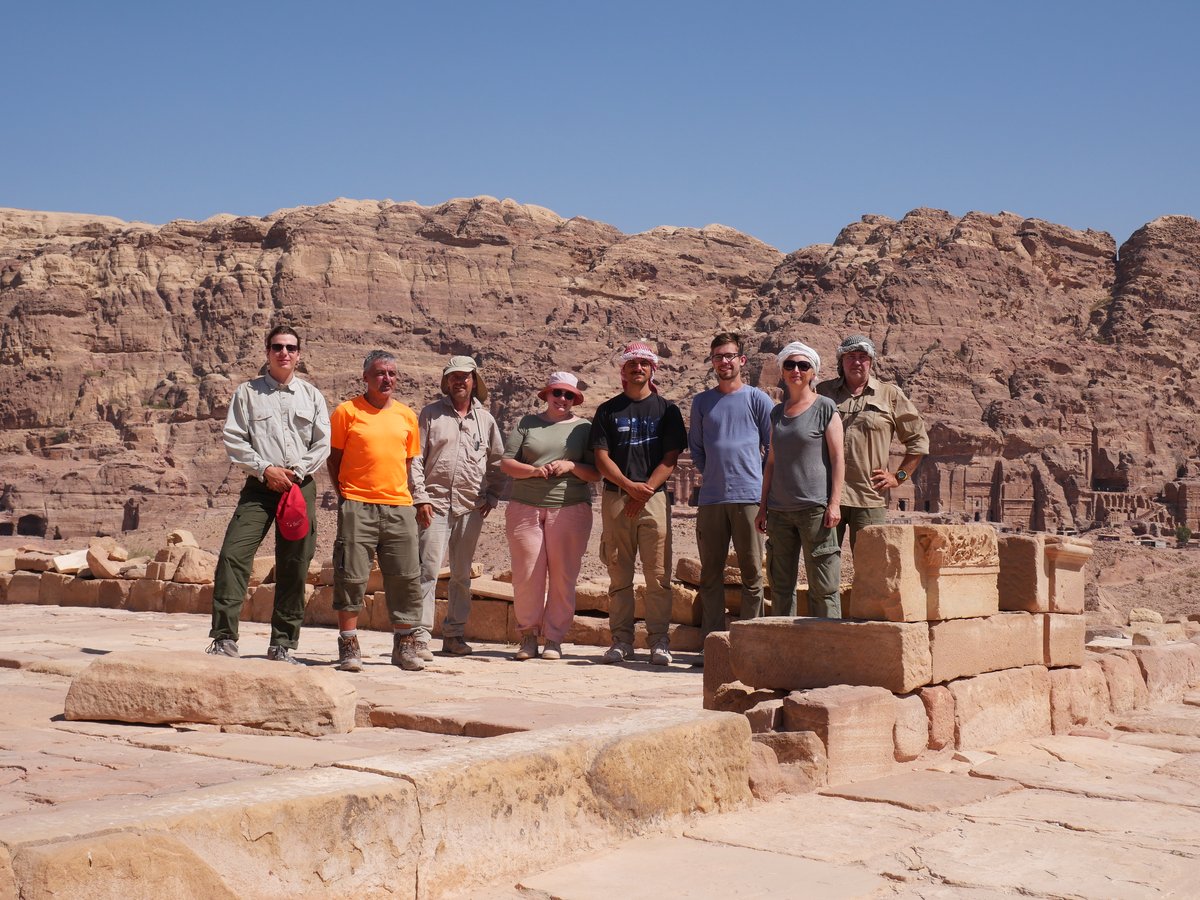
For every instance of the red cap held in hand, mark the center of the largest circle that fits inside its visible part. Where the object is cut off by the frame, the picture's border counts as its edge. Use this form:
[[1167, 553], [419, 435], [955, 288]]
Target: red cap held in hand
[[292, 515]]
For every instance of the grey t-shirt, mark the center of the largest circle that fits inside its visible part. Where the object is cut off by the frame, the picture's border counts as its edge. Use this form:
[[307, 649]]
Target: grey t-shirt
[[536, 442], [803, 476]]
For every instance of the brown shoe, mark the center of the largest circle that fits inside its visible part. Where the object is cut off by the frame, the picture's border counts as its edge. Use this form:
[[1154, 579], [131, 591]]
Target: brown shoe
[[349, 654], [424, 652], [405, 653], [456, 646]]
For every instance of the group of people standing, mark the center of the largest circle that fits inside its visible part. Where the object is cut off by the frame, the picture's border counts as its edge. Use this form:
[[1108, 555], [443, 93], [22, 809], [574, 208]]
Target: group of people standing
[[413, 488]]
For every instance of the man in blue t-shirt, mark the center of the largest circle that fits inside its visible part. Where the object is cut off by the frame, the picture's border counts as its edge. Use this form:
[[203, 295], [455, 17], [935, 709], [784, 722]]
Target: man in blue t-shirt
[[729, 435], [637, 436]]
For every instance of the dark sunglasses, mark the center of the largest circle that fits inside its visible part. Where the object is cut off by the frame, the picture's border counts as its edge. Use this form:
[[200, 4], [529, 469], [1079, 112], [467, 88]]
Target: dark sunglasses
[[285, 348], [560, 394], [800, 364]]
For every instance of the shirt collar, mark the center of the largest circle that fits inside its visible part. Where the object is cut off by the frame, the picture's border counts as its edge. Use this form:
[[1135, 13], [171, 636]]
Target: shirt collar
[[278, 385]]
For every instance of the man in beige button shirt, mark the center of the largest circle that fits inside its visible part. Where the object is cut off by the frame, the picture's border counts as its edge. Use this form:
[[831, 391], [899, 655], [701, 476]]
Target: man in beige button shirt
[[874, 414]]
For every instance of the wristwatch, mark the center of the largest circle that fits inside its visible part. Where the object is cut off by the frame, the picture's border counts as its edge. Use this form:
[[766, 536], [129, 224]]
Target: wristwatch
[[901, 477]]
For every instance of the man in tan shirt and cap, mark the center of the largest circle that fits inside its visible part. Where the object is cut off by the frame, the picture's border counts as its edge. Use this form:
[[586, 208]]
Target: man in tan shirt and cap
[[874, 414]]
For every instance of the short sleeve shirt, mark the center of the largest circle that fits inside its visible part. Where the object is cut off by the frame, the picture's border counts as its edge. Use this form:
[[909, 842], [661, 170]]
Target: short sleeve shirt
[[803, 476], [638, 433], [537, 442], [376, 446]]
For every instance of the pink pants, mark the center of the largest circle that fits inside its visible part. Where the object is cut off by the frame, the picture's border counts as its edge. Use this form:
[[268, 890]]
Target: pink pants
[[547, 550]]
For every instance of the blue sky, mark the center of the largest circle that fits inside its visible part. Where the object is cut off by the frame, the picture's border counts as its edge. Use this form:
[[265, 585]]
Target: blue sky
[[784, 120]]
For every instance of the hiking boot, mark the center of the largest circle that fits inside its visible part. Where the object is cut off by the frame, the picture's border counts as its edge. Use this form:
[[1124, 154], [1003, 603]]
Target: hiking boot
[[223, 647], [618, 652], [424, 652], [456, 646], [405, 653], [282, 654], [349, 654], [552, 650], [528, 648], [660, 655]]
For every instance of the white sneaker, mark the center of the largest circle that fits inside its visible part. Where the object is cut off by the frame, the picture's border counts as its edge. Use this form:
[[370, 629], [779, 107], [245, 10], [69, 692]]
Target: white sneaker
[[552, 650], [618, 652], [528, 648], [660, 655]]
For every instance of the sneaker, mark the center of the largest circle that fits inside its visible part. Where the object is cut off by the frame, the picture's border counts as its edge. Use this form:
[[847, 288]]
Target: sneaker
[[456, 646], [698, 663], [223, 647], [618, 652], [552, 650], [282, 654], [528, 648], [349, 654], [405, 653], [660, 655], [424, 652]]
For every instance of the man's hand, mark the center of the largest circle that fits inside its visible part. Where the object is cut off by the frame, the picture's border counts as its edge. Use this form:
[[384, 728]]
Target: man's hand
[[424, 515], [279, 479], [633, 508], [760, 521], [640, 491], [884, 480], [486, 510], [833, 515]]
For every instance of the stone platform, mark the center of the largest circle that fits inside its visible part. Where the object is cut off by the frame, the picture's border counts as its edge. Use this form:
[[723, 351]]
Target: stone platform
[[475, 769]]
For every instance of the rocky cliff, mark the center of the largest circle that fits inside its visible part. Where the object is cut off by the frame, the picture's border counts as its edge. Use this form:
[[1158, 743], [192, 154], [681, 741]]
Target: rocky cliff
[[1057, 375]]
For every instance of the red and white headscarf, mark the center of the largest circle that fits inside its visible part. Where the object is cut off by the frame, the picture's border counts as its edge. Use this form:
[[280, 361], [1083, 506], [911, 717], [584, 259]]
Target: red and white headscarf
[[639, 350]]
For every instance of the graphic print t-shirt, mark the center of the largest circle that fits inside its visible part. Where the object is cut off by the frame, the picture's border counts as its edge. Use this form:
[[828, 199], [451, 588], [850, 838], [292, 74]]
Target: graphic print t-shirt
[[638, 433]]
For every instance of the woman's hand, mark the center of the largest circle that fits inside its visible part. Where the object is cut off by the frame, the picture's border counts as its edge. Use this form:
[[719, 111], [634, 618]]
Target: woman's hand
[[760, 521], [833, 515]]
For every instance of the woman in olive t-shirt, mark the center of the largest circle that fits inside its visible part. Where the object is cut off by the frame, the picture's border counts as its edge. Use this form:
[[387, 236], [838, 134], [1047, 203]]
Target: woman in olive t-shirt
[[549, 516]]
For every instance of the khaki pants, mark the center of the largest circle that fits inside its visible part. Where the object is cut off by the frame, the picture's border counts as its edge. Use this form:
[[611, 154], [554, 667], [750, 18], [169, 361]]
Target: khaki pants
[[367, 529], [647, 535]]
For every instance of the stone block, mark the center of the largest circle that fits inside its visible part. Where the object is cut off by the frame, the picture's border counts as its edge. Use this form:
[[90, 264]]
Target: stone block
[[113, 593], [5, 578], [939, 709], [765, 715], [965, 647], [53, 587], [718, 669], [1002, 706], [1150, 639], [687, 570], [146, 595], [181, 537], [319, 610], [1063, 639], [374, 616], [1042, 573], [262, 569], [1023, 582], [911, 732], [315, 570], [1167, 670], [739, 698], [102, 565], [802, 749], [25, 587], [196, 566], [1126, 684], [1145, 614], [917, 573], [685, 604], [80, 592], [1066, 559], [855, 723], [1078, 697], [261, 604], [187, 598], [183, 686], [161, 571], [8, 559], [795, 654], [592, 597], [34, 561], [491, 620], [71, 563]]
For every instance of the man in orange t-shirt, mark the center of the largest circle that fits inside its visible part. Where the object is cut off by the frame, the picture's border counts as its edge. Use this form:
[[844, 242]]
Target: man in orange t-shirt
[[374, 439]]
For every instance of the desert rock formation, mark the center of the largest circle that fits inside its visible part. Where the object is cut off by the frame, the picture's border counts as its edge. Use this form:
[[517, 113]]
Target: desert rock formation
[[1057, 375]]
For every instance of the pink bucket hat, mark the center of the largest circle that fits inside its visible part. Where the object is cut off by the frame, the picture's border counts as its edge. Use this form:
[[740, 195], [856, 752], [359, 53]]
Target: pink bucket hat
[[564, 380]]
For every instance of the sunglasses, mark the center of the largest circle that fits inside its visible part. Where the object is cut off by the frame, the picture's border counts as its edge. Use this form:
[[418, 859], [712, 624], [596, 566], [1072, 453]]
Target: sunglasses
[[802, 365], [561, 394], [725, 357], [285, 348]]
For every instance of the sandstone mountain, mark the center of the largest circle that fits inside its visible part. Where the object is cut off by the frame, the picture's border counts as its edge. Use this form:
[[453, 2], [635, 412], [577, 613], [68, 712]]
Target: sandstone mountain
[[1057, 375]]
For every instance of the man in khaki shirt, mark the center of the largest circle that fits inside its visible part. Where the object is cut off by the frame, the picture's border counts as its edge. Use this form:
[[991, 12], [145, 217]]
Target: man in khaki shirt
[[874, 414]]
